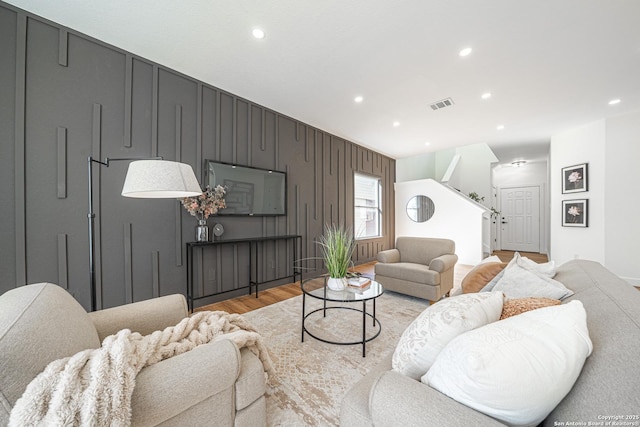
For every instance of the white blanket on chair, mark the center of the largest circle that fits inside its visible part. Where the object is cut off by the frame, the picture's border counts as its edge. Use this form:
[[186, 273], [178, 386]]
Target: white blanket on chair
[[94, 387]]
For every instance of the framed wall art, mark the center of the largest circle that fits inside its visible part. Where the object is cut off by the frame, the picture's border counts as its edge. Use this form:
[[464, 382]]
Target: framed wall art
[[575, 179], [575, 213]]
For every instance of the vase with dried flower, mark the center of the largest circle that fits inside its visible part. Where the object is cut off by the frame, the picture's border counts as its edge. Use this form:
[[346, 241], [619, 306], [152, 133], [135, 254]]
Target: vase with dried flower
[[207, 203]]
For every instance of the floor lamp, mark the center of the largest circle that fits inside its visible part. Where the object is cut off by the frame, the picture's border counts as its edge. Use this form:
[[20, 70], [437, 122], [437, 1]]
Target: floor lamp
[[146, 178]]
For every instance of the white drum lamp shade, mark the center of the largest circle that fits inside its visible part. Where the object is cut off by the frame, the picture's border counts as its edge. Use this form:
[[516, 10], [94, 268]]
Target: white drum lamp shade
[[160, 179]]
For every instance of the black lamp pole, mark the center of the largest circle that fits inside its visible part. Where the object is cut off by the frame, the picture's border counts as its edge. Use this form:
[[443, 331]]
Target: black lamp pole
[[91, 217]]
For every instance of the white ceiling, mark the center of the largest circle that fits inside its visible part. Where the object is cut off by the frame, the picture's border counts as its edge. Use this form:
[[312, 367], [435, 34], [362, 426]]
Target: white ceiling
[[550, 65]]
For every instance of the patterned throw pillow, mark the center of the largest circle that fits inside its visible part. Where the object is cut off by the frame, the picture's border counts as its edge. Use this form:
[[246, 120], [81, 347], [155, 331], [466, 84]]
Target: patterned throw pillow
[[480, 275], [441, 322], [521, 305]]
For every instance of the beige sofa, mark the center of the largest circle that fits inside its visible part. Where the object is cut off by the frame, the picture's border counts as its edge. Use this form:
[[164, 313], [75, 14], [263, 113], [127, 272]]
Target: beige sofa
[[606, 390], [214, 384], [418, 266]]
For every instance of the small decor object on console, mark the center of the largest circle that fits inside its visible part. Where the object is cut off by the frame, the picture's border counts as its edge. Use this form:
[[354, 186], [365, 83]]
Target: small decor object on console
[[207, 203], [218, 230], [337, 248]]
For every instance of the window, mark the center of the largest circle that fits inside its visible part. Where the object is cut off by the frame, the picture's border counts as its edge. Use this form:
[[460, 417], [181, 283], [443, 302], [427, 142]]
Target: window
[[367, 206]]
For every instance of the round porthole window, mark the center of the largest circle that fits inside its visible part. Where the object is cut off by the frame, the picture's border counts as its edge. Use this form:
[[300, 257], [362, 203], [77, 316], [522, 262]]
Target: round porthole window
[[420, 208]]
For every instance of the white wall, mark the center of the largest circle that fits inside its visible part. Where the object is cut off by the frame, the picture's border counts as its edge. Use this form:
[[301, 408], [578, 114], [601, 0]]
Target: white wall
[[534, 173], [455, 218], [622, 174], [529, 174], [473, 173], [582, 145], [416, 167]]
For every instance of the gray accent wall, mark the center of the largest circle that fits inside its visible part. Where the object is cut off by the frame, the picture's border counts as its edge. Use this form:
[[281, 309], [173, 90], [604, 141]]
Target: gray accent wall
[[65, 96]]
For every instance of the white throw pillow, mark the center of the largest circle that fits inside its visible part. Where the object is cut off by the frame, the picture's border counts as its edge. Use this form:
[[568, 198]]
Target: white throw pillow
[[547, 269], [518, 369], [430, 332], [520, 282]]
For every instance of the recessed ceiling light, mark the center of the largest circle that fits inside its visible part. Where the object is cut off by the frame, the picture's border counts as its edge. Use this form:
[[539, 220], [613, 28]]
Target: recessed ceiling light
[[466, 51], [358, 99], [614, 102], [258, 33], [427, 143], [396, 124], [500, 127], [486, 95]]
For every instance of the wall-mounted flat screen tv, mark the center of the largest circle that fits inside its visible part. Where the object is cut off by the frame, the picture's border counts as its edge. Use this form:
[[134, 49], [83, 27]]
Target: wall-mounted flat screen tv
[[250, 191]]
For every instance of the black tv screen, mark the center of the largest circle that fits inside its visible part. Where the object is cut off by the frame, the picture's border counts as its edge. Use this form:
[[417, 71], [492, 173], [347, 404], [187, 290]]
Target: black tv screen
[[250, 191]]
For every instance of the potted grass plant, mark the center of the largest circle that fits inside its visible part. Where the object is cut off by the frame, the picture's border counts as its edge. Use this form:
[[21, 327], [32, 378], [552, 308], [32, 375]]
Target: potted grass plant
[[337, 245]]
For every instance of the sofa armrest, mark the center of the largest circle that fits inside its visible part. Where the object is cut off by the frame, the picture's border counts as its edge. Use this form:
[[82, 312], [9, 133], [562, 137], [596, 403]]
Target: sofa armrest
[[443, 262], [419, 404], [144, 317], [174, 385], [388, 256]]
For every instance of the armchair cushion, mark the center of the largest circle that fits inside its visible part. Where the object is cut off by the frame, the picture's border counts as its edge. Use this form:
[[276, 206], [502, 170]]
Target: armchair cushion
[[154, 397], [38, 324], [144, 317], [420, 250], [417, 273], [443, 263], [388, 256]]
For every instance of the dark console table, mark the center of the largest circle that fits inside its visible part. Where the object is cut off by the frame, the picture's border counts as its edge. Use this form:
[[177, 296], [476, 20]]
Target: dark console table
[[253, 264]]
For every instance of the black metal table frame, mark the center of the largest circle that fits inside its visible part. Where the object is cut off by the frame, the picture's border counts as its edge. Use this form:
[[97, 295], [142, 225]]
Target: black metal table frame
[[253, 247], [324, 309]]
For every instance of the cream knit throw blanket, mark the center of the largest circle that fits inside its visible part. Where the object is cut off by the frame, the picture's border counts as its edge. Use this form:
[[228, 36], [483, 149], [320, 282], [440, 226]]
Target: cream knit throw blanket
[[94, 387]]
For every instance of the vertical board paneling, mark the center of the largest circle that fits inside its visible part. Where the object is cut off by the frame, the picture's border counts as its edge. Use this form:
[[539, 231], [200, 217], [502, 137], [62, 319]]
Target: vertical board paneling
[[143, 109], [63, 262], [19, 153], [155, 269], [128, 82], [143, 112], [217, 127], [155, 99], [63, 47], [198, 168], [96, 141], [8, 114], [234, 131], [128, 263], [178, 210], [62, 163]]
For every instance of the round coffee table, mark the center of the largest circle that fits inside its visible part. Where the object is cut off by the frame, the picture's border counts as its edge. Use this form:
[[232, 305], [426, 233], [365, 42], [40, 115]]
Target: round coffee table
[[317, 288]]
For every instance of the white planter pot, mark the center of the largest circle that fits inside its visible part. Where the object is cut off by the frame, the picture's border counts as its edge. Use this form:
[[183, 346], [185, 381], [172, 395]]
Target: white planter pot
[[336, 283]]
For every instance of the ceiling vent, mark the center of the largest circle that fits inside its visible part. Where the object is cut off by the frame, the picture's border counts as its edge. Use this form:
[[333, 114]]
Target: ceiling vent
[[447, 102]]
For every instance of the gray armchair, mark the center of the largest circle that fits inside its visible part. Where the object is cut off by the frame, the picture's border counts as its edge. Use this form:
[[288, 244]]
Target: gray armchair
[[419, 266], [213, 384]]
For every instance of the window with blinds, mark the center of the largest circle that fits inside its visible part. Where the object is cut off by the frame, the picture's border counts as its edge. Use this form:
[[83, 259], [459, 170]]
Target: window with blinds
[[367, 206]]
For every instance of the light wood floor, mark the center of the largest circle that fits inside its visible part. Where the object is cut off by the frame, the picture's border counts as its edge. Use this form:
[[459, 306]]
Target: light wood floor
[[267, 297], [505, 256]]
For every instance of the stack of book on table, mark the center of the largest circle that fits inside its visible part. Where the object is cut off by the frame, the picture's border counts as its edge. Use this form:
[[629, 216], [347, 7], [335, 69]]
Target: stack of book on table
[[358, 284]]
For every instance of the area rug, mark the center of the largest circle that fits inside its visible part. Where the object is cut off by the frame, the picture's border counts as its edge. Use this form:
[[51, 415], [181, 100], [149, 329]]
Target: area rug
[[312, 377]]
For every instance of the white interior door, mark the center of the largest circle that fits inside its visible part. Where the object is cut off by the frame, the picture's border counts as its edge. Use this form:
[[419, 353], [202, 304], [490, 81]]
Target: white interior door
[[520, 219]]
